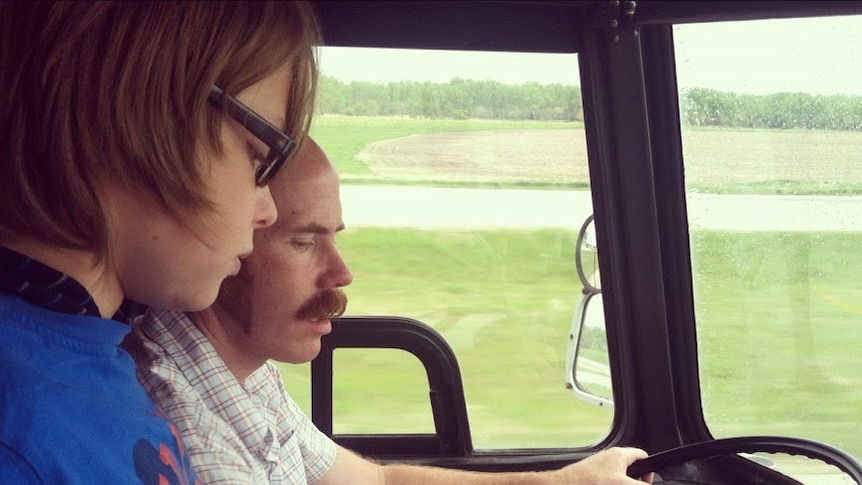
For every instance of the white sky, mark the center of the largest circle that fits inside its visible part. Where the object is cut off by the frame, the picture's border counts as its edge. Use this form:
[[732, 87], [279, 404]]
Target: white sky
[[383, 65], [745, 57]]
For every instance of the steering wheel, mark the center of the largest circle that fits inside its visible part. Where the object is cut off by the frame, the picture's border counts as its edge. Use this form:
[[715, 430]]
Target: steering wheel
[[749, 444]]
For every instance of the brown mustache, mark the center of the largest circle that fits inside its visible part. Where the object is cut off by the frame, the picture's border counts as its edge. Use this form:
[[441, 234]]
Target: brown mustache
[[325, 305]]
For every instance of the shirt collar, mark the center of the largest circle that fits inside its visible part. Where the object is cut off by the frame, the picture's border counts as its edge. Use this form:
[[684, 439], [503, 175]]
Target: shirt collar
[[48, 288]]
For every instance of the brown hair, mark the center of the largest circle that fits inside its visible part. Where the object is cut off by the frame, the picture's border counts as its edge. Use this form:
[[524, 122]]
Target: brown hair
[[118, 91]]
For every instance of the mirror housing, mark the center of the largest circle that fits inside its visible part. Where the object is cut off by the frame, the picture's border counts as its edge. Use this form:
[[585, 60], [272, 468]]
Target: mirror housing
[[588, 373]]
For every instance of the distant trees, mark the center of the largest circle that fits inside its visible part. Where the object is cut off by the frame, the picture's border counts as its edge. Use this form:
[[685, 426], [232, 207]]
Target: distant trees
[[467, 98], [708, 107], [457, 99]]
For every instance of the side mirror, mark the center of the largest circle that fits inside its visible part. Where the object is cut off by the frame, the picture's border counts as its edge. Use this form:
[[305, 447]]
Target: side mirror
[[588, 373]]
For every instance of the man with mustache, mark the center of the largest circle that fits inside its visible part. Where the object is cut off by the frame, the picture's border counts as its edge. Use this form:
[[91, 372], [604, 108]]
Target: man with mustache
[[210, 370]]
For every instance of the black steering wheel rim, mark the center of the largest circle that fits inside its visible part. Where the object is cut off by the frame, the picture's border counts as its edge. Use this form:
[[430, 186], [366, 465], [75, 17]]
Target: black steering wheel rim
[[750, 444]]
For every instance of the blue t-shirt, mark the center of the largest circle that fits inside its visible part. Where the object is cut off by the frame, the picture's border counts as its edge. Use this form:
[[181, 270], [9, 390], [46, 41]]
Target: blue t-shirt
[[71, 409]]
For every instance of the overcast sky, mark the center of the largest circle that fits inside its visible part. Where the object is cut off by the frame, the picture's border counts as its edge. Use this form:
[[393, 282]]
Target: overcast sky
[[746, 57]]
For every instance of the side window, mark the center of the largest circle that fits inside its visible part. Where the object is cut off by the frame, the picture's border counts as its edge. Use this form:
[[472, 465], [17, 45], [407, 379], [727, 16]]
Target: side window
[[772, 141], [464, 184], [379, 382]]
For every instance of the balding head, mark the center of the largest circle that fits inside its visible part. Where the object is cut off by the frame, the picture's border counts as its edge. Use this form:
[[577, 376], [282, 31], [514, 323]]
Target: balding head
[[309, 163]]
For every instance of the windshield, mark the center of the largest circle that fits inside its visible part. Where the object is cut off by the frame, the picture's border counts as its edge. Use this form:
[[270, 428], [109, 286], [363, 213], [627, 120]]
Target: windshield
[[772, 141], [465, 183]]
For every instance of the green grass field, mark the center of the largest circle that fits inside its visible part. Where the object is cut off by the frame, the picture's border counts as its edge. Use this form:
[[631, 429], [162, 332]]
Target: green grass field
[[776, 338], [502, 299], [779, 323]]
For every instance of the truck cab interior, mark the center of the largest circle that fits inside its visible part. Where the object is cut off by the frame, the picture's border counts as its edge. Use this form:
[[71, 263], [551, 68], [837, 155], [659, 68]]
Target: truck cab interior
[[719, 337]]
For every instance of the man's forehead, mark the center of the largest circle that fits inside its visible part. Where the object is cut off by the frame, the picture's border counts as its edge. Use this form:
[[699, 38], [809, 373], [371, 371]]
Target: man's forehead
[[307, 209]]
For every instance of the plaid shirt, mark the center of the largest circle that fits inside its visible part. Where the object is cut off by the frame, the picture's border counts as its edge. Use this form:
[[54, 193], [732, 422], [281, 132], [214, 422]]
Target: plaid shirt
[[236, 433]]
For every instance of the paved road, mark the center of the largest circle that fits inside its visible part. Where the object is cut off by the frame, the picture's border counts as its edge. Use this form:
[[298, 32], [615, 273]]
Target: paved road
[[399, 206]]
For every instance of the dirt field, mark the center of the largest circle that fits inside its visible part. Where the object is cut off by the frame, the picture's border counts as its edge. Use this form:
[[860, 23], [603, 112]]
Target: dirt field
[[712, 156], [534, 155]]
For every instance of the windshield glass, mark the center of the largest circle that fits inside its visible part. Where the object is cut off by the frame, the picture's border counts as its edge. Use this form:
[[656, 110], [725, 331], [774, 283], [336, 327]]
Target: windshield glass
[[464, 184], [772, 141]]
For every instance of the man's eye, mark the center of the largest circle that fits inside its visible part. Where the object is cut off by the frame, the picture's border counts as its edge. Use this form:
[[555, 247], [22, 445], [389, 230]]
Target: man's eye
[[302, 244]]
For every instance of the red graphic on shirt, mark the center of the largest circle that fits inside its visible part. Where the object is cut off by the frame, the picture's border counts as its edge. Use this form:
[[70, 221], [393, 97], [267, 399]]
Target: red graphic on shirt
[[159, 466]]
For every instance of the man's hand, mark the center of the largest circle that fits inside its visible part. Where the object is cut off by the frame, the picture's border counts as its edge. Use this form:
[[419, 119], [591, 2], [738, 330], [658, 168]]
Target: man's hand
[[607, 467]]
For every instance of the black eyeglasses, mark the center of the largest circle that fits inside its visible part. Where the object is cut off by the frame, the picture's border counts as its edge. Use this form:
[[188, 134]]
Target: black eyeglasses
[[280, 145]]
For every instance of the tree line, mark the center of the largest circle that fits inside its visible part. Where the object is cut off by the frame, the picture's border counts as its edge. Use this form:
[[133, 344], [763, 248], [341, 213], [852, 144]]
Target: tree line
[[709, 107], [466, 98], [457, 99]]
